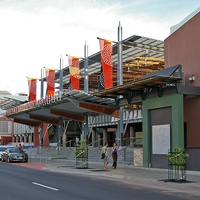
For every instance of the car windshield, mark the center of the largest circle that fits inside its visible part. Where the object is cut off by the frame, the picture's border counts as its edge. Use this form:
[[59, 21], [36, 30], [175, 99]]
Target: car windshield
[[14, 150], [2, 148]]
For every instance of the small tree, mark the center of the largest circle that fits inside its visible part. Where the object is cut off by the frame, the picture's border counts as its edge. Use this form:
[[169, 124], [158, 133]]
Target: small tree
[[80, 149], [177, 157], [81, 153]]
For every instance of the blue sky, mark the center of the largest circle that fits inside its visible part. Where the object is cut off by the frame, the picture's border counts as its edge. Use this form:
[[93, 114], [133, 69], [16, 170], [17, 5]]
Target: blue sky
[[35, 33]]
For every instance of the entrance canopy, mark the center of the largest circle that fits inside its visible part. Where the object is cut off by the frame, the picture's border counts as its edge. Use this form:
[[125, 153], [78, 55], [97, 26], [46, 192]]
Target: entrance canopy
[[76, 105], [8, 101], [140, 55], [158, 79], [69, 105]]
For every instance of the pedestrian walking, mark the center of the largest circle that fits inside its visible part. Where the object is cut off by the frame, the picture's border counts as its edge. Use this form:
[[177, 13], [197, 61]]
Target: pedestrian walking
[[77, 141], [105, 155], [114, 155]]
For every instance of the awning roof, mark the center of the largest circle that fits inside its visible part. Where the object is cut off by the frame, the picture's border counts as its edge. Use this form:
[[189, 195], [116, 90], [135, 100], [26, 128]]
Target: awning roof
[[80, 96], [140, 55], [157, 79], [10, 101], [71, 105], [76, 105]]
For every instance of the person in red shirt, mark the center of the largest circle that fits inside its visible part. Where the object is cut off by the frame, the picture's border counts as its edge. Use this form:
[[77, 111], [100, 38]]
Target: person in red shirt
[[20, 146]]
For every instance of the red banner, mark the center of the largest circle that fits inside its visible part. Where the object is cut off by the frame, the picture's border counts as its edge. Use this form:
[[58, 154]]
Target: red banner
[[50, 78], [74, 70], [106, 60], [32, 84]]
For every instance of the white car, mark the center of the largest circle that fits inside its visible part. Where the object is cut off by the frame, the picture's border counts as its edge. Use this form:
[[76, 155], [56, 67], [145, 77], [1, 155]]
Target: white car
[[2, 149]]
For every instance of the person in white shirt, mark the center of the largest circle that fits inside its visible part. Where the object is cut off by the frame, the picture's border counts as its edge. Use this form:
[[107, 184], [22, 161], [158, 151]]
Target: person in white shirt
[[105, 151]]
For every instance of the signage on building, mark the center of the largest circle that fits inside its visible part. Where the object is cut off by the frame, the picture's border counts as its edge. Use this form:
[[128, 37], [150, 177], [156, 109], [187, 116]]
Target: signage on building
[[33, 104]]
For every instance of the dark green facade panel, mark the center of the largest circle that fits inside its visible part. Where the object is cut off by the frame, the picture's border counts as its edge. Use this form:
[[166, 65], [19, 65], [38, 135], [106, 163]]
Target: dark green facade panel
[[175, 102]]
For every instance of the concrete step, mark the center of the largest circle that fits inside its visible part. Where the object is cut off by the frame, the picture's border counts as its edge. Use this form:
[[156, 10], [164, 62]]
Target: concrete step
[[125, 155]]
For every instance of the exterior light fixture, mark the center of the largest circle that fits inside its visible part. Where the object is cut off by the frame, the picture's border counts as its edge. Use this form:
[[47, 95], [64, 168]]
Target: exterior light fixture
[[192, 78]]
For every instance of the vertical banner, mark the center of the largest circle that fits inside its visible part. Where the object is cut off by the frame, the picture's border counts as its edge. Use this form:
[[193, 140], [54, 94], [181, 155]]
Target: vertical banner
[[74, 70], [106, 60], [32, 85], [50, 78]]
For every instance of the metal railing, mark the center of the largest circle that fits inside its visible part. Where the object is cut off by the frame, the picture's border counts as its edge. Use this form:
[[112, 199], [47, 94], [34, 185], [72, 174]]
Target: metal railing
[[132, 145], [98, 142]]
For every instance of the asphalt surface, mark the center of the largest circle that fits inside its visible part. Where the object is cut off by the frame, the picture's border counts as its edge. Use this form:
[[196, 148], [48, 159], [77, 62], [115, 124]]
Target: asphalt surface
[[18, 182], [146, 177]]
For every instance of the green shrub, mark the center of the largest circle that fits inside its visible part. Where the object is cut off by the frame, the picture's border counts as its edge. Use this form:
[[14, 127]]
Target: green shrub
[[177, 157], [81, 150]]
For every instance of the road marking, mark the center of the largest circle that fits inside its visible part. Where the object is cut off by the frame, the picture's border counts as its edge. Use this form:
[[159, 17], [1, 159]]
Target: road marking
[[45, 186]]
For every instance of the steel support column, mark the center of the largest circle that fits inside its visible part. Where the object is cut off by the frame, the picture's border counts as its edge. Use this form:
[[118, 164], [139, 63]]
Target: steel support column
[[120, 82], [86, 68], [61, 74]]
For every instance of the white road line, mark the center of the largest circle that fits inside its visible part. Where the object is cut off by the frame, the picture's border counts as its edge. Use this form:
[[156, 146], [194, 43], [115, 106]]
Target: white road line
[[45, 186]]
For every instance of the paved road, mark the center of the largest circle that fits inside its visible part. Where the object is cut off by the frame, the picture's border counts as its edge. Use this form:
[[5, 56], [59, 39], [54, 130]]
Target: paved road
[[41, 181]]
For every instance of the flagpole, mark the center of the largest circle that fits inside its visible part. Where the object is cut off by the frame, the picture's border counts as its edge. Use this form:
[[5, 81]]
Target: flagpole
[[120, 82], [61, 74], [120, 69], [107, 39], [42, 83], [86, 88], [86, 68]]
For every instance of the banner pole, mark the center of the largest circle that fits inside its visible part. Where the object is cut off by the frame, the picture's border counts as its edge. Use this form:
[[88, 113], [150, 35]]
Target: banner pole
[[86, 68], [120, 82], [61, 74]]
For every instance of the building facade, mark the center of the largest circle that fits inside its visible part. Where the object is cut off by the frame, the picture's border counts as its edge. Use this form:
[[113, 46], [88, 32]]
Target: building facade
[[158, 105]]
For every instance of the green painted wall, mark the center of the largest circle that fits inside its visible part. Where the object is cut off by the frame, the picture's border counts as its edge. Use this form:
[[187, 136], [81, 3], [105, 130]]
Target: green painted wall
[[174, 101]]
